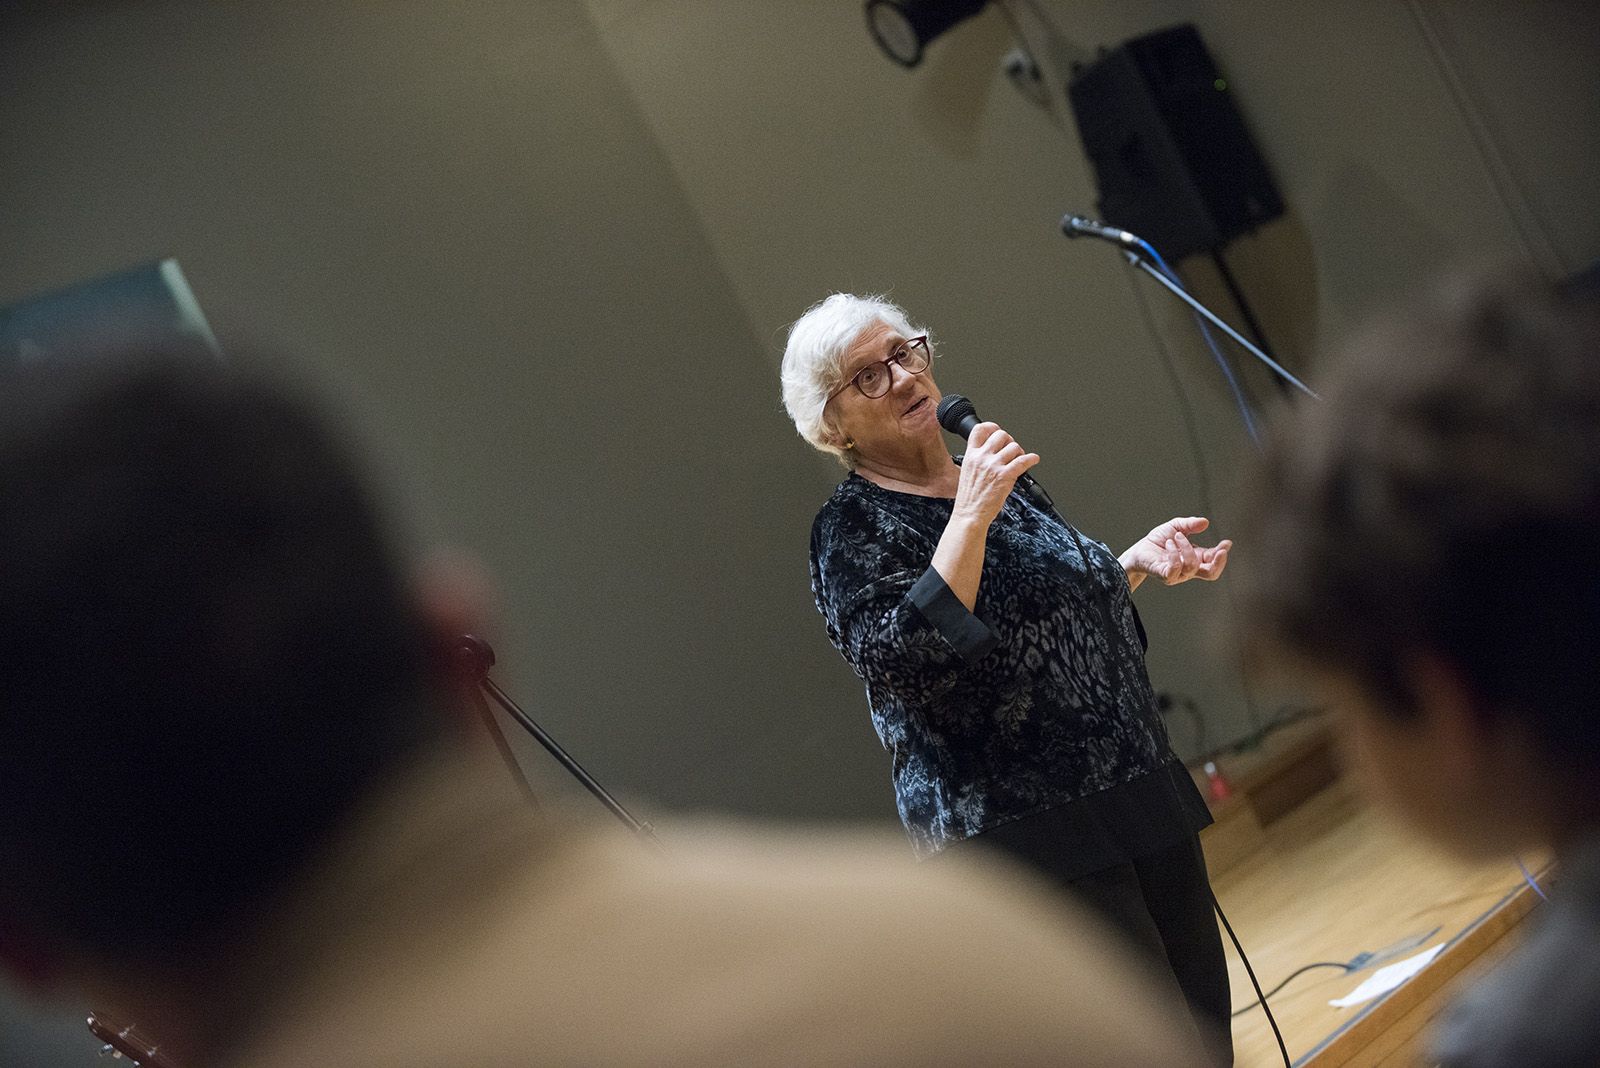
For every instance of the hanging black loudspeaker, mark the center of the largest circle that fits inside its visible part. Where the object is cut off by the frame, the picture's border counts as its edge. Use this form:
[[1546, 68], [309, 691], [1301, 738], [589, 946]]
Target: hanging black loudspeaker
[[1172, 159]]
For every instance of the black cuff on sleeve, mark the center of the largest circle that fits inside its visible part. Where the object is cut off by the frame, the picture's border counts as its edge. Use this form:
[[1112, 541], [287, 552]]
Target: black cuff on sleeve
[[971, 636]]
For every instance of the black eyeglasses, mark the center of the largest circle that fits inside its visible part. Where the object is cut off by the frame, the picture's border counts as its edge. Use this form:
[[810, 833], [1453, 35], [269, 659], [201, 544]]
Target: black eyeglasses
[[874, 380]]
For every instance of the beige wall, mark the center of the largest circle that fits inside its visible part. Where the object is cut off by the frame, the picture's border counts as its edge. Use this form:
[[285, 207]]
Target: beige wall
[[551, 248]]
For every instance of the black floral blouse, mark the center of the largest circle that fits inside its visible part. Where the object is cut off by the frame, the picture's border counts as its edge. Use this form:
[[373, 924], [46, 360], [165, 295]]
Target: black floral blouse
[[1036, 700]]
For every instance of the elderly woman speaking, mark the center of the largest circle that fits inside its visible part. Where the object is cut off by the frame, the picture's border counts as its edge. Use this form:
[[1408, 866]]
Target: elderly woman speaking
[[1002, 656]]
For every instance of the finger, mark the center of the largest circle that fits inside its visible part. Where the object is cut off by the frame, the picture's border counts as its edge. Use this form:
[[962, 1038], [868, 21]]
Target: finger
[[1016, 467], [1193, 524], [1212, 570], [998, 440], [1174, 564], [1010, 452], [979, 435], [1186, 553]]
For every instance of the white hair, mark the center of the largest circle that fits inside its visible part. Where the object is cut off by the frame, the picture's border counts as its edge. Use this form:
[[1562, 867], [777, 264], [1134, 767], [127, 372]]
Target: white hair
[[813, 359]]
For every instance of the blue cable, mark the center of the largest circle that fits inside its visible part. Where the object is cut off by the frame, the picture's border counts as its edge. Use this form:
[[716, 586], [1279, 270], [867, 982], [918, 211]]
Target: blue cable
[[1528, 875], [1211, 343]]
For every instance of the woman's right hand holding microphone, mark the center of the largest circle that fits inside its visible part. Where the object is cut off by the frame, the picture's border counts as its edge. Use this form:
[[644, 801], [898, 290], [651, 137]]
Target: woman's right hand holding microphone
[[989, 470]]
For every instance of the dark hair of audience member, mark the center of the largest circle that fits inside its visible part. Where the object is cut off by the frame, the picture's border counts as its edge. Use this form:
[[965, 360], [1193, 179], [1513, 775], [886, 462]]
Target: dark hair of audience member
[[1445, 501], [207, 652]]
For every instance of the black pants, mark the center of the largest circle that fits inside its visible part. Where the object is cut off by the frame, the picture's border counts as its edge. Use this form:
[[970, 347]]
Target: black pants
[[1161, 904]]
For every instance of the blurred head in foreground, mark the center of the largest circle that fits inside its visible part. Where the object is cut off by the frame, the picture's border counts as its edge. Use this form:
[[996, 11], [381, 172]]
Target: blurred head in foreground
[[1424, 547], [207, 653]]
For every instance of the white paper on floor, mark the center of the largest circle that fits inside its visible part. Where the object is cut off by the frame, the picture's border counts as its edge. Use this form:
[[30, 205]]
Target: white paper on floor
[[1386, 979]]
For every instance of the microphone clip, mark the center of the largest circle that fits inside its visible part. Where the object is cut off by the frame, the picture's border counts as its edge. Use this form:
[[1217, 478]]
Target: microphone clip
[[1083, 226]]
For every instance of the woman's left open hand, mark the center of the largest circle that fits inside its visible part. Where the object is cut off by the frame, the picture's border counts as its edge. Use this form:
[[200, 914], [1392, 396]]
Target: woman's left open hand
[[1168, 554]]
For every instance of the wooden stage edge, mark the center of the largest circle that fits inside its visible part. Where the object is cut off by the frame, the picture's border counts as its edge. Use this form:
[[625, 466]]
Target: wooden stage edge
[[1308, 871], [1390, 1030]]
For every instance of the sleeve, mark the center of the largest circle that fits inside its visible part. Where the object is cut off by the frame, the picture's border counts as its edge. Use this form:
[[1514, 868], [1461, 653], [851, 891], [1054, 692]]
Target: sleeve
[[888, 612]]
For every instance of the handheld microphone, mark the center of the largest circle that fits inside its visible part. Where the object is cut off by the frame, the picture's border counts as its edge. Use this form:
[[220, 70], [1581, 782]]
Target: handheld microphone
[[1083, 226], [957, 415]]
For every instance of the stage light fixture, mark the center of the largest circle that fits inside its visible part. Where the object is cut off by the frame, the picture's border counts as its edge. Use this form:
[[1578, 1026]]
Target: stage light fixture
[[903, 28]]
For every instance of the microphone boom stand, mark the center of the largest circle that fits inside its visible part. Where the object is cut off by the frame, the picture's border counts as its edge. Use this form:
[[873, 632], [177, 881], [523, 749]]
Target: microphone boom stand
[[1182, 294], [477, 656]]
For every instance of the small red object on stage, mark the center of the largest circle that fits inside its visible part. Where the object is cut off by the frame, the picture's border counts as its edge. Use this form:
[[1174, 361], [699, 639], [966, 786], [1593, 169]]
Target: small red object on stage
[[1217, 788]]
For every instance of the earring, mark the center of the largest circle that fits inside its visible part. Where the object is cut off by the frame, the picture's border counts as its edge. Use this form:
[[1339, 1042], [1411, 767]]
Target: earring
[[850, 444]]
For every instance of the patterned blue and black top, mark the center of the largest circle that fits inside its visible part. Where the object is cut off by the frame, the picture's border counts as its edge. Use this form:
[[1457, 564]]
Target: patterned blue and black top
[[1036, 700]]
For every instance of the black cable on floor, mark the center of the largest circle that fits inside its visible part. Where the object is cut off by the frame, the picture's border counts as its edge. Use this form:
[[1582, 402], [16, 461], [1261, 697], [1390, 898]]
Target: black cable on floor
[[1251, 972], [1292, 975]]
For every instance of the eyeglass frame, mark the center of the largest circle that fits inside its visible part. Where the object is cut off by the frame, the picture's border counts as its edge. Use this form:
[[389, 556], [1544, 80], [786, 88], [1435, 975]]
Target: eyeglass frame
[[901, 350]]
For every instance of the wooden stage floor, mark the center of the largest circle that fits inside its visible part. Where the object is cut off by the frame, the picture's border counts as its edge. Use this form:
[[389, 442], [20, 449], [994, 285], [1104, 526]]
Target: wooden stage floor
[[1332, 880]]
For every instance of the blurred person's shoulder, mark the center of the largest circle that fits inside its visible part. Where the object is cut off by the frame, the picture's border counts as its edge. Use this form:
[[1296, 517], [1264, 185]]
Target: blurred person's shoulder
[[785, 947], [741, 945]]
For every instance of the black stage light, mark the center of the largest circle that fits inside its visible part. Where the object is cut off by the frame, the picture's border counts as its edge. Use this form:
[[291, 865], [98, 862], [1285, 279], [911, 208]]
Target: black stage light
[[903, 27]]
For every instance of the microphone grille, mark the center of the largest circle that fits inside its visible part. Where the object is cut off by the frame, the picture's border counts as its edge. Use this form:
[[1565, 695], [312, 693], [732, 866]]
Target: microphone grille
[[953, 409]]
